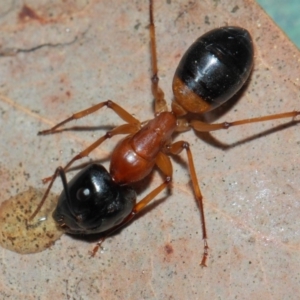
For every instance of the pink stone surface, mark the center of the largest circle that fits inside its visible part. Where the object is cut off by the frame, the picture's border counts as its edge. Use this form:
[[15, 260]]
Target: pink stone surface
[[59, 57]]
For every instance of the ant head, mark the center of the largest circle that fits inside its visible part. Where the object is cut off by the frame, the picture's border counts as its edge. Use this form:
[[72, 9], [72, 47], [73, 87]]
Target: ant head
[[92, 202]]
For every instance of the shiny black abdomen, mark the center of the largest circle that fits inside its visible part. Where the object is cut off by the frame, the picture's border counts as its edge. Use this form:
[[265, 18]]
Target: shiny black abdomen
[[217, 64]]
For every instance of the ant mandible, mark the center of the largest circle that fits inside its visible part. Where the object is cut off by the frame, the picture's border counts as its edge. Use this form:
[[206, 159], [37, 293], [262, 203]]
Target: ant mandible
[[212, 70]]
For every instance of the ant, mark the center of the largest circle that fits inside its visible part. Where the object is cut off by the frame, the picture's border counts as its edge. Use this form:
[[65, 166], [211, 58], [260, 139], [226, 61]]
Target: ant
[[211, 71]]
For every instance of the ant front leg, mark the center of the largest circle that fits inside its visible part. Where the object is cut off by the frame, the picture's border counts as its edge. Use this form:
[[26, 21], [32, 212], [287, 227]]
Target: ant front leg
[[132, 126], [175, 149], [58, 171], [122, 129]]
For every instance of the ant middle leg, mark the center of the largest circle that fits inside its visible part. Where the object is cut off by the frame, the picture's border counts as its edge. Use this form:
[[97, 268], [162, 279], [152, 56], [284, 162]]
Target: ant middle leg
[[122, 129], [175, 149], [121, 112]]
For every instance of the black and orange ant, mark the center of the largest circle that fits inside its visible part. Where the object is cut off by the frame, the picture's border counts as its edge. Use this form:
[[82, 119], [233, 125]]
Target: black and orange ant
[[211, 71]]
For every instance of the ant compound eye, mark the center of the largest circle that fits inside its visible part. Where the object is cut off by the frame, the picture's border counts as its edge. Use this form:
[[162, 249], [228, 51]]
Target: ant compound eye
[[83, 194]]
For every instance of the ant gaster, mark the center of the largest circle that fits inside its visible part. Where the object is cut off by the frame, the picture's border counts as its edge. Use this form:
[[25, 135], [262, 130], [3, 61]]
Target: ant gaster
[[212, 70]]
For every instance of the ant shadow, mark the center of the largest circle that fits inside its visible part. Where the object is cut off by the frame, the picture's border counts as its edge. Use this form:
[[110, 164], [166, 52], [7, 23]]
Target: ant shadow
[[214, 115], [94, 238]]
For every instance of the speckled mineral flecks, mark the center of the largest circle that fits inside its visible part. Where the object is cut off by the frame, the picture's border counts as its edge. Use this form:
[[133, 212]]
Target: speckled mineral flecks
[[35, 236]]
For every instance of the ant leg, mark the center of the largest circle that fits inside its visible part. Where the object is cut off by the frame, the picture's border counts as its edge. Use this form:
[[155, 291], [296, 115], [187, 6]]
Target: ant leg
[[122, 129], [122, 113], [58, 171], [164, 164], [204, 127], [160, 102], [175, 149]]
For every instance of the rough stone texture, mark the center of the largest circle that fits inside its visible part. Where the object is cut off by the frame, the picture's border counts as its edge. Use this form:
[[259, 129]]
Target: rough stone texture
[[61, 57]]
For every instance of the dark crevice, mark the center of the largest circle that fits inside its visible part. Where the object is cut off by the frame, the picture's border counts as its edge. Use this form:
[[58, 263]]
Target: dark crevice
[[15, 51]]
